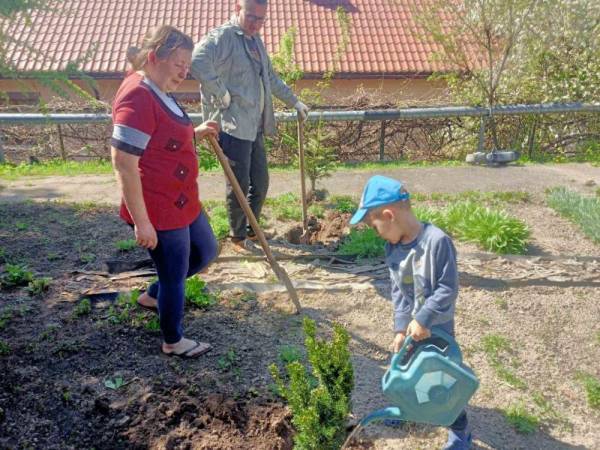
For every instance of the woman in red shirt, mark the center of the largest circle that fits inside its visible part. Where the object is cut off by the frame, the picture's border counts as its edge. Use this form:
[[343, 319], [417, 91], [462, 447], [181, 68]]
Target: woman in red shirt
[[155, 162]]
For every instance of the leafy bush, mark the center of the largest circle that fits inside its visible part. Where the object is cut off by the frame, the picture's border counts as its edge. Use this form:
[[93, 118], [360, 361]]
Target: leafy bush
[[197, 294], [362, 243], [320, 398], [285, 206], [584, 211]]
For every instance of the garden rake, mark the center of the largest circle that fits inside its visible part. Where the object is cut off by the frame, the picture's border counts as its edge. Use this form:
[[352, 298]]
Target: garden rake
[[241, 198]]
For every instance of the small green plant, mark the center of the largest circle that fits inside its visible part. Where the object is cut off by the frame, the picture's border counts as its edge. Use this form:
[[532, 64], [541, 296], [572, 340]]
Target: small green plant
[[38, 286], [15, 275], [22, 226], [584, 211], [362, 243], [4, 348], [115, 383], [320, 397], [126, 245], [227, 361], [319, 157], [3, 256], [207, 161], [197, 294], [524, 422], [591, 385], [498, 350], [153, 324], [83, 308], [343, 203], [317, 210], [285, 206], [289, 354], [5, 318], [66, 396]]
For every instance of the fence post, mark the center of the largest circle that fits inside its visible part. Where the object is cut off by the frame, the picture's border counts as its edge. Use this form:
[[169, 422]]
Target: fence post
[[382, 141], [63, 153], [481, 142], [2, 159]]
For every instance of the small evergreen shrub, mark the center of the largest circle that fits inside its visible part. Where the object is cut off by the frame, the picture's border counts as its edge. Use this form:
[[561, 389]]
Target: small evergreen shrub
[[319, 397]]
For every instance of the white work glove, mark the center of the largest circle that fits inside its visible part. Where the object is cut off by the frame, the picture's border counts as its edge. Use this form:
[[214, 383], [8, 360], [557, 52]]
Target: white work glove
[[225, 101], [302, 109]]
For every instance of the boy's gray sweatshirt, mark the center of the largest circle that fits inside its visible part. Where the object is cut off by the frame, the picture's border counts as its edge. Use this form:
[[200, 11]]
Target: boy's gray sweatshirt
[[424, 279]]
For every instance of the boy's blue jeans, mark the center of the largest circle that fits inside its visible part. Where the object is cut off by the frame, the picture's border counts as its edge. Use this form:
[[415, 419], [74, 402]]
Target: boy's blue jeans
[[461, 423]]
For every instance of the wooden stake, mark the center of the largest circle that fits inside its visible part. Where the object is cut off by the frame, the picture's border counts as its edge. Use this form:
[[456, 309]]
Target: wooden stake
[[302, 173], [241, 198]]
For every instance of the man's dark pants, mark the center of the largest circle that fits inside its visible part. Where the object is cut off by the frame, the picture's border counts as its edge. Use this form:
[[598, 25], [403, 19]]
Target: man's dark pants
[[248, 161]]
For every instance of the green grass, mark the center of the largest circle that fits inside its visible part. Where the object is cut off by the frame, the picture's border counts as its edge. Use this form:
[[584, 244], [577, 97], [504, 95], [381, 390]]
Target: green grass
[[55, 167], [591, 384], [582, 210], [362, 243], [492, 197], [498, 350], [524, 422]]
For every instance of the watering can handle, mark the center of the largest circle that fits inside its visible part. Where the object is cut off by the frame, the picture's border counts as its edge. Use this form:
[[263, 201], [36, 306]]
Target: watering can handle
[[408, 340], [397, 358]]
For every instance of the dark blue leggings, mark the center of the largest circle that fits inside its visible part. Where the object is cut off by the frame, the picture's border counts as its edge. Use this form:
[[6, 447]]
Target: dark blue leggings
[[180, 253]]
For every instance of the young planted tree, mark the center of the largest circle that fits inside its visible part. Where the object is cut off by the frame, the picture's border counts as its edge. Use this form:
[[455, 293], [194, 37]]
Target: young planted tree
[[319, 396]]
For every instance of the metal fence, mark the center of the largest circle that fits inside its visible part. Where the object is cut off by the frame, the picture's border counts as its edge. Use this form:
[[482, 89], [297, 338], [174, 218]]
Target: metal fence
[[397, 130]]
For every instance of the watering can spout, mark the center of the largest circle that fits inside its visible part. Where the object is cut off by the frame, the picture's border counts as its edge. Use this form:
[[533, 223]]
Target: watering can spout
[[391, 412]]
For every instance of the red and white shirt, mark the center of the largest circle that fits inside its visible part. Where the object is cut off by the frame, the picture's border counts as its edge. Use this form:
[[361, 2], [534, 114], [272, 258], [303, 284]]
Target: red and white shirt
[[150, 124]]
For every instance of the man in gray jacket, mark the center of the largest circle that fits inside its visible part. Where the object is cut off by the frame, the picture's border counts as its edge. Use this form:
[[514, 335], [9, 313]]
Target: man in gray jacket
[[236, 82]]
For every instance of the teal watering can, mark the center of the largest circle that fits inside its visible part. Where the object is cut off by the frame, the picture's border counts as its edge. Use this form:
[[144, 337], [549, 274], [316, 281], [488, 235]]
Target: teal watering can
[[428, 383]]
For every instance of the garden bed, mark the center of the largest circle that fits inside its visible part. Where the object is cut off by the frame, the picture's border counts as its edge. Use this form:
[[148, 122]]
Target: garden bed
[[79, 379]]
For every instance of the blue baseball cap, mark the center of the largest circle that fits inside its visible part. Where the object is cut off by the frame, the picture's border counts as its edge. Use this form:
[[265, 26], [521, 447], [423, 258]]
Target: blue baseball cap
[[379, 191]]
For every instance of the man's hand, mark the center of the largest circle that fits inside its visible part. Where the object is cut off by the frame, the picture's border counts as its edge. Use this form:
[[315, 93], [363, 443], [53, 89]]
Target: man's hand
[[302, 109], [225, 101], [145, 235], [417, 331], [398, 341], [208, 128]]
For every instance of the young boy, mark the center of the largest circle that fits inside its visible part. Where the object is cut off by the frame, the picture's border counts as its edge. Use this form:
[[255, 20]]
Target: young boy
[[423, 272]]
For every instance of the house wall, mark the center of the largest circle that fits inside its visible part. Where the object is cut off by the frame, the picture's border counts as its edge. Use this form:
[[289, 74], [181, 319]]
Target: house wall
[[403, 92]]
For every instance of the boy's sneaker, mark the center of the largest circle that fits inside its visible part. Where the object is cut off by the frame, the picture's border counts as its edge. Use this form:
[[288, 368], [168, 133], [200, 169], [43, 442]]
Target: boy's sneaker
[[459, 440], [244, 246]]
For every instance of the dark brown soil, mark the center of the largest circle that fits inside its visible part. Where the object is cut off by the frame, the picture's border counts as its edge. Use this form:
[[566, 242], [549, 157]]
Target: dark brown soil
[[54, 364]]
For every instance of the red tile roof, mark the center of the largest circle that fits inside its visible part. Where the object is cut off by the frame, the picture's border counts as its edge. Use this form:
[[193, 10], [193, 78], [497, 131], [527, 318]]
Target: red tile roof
[[382, 40]]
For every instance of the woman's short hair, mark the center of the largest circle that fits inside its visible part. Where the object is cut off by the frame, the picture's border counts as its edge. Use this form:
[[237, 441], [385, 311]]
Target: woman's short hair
[[163, 40]]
